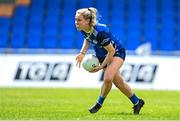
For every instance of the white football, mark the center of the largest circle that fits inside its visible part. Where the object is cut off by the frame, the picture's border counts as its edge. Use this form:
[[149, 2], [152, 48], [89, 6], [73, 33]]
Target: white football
[[90, 63]]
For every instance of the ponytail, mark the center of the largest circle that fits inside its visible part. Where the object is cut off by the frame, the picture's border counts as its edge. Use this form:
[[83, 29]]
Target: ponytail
[[91, 14]]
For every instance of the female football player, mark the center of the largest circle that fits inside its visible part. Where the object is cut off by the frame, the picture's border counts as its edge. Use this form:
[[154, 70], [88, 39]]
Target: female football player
[[111, 53]]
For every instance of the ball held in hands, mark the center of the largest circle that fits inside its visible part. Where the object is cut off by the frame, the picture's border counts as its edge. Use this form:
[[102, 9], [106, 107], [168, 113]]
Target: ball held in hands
[[90, 63]]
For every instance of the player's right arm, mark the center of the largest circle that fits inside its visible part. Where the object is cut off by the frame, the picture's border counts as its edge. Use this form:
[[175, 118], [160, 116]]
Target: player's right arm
[[82, 53], [84, 47]]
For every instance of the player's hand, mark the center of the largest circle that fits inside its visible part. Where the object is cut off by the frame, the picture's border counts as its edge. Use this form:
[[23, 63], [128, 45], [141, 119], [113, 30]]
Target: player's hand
[[79, 59], [96, 69]]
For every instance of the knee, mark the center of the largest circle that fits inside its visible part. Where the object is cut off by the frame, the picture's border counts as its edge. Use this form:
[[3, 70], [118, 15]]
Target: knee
[[108, 79]]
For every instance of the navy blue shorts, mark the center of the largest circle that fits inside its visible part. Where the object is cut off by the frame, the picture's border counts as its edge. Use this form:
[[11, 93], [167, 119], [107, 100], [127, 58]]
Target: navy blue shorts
[[121, 53]]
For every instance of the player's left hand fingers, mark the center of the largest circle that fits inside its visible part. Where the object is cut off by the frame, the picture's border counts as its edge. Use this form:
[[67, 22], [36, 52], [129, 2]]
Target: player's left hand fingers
[[92, 71], [79, 64], [95, 69]]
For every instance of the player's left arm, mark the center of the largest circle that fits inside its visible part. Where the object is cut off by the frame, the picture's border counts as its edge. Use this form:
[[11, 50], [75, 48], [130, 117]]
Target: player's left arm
[[105, 41], [111, 51]]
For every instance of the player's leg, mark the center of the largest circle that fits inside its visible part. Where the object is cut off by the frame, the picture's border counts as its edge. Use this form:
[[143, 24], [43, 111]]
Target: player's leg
[[109, 74], [122, 85], [126, 90]]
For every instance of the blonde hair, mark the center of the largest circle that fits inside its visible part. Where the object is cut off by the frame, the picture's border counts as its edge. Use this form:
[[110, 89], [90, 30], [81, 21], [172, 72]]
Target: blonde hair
[[91, 14]]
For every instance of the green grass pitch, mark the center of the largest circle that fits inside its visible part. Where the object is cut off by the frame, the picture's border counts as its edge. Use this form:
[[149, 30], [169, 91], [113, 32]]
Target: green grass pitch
[[73, 104]]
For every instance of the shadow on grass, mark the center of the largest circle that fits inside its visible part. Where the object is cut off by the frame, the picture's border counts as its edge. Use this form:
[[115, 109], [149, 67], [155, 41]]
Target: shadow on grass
[[118, 113]]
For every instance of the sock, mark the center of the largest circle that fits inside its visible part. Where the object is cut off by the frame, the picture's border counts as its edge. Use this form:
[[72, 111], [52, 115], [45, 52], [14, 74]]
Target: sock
[[134, 99], [100, 100]]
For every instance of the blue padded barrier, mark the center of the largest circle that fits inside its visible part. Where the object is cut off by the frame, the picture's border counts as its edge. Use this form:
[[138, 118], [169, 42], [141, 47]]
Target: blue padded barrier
[[38, 2], [4, 24], [103, 10], [50, 42], [17, 40], [86, 3], [133, 39], [51, 29], [151, 35], [67, 43], [4, 40], [178, 44], [79, 40], [4, 31], [167, 41], [34, 41], [35, 35]]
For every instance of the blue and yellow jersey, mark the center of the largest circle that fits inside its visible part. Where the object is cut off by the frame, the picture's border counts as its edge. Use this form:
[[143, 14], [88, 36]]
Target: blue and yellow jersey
[[101, 37]]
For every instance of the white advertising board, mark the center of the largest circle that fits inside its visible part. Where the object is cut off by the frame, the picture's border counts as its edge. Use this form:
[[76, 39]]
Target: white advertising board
[[154, 72], [44, 71]]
